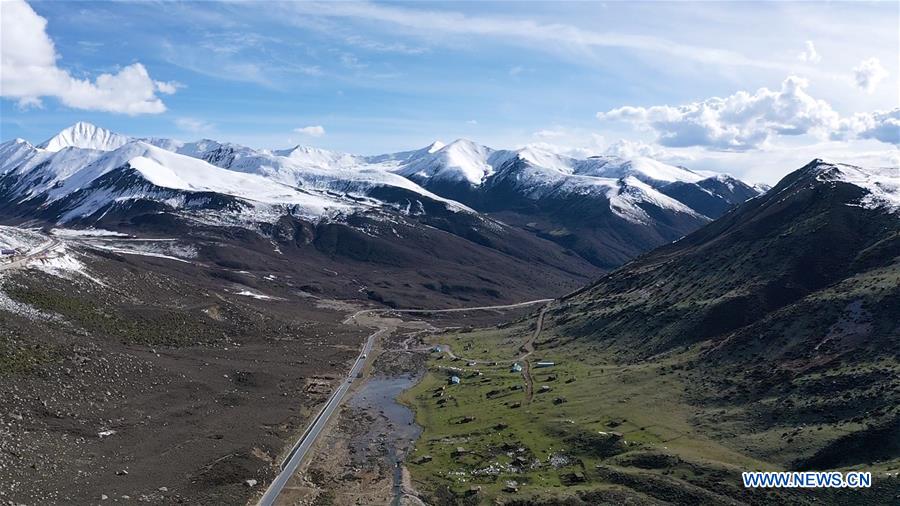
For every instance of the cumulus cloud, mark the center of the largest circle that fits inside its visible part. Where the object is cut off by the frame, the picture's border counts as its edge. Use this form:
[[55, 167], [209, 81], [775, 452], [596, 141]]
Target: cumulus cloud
[[28, 71], [809, 53], [312, 131], [740, 121], [868, 74], [883, 126]]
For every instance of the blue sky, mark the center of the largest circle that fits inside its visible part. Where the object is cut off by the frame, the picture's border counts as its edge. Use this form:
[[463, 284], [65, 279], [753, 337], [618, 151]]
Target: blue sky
[[629, 78]]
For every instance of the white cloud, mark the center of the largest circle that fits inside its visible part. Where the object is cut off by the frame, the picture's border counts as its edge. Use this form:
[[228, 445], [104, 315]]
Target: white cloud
[[883, 126], [744, 120], [551, 36], [168, 87], [549, 134], [194, 125], [868, 74], [28, 71], [624, 148], [374, 45], [312, 131], [809, 53], [472, 122]]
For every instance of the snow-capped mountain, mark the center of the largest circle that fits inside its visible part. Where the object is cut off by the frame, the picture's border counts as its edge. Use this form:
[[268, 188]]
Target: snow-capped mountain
[[881, 186], [470, 173], [84, 136], [309, 168], [605, 209], [71, 174]]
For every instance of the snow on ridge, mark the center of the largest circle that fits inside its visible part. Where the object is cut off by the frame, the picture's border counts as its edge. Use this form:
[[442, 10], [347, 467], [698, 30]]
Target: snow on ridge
[[461, 161], [881, 183], [318, 182], [85, 136], [626, 199], [642, 168]]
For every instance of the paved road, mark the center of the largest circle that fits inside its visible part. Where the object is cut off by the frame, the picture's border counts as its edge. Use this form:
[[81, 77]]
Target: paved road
[[34, 254], [306, 441], [301, 448], [454, 310]]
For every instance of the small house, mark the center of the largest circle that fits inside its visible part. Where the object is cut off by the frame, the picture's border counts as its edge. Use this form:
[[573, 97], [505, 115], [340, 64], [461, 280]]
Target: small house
[[544, 363], [454, 380], [516, 367]]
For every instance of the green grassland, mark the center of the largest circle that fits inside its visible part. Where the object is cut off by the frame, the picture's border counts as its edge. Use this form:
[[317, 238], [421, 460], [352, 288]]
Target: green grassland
[[604, 432]]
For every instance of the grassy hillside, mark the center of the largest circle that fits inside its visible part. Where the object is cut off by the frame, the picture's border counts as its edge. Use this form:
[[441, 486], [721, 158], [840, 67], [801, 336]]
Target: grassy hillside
[[767, 340]]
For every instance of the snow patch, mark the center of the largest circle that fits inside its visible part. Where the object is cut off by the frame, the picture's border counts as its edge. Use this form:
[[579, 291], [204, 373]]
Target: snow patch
[[87, 232], [62, 263], [259, 296], [882, 184], [167, 252]]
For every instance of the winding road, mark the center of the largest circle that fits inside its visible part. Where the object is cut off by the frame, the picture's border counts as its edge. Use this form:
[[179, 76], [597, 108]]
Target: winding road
[[303, 445], [47, 246]]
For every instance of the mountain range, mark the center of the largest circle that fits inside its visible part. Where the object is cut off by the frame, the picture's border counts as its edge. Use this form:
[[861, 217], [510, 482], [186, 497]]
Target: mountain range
[[528, 203]]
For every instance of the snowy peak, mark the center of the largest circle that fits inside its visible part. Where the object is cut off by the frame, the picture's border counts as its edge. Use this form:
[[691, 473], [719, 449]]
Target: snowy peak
[[648, 170], [882, 184], [307, 156], [461, 161], [541, 157], [85, 136], [434, 146]]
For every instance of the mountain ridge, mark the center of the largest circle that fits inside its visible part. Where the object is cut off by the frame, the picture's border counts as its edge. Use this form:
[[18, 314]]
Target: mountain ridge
[[604, 210]]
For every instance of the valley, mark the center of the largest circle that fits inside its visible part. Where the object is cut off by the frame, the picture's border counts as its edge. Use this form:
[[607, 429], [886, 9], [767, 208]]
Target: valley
[[491, 253], [566, 331]]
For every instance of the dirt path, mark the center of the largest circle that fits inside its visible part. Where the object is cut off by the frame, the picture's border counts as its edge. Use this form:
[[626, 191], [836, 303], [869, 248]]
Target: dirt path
[[527, 349]]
